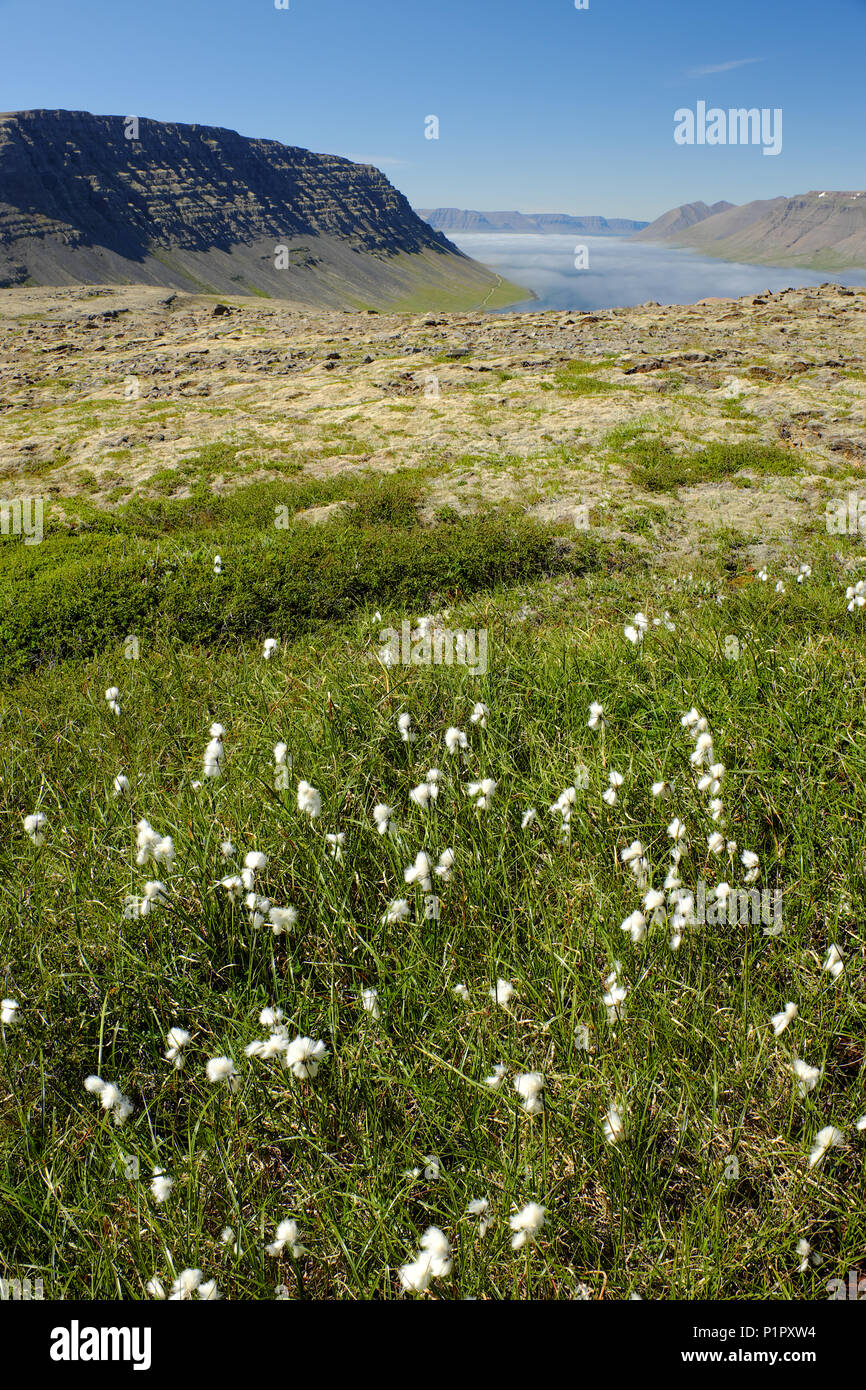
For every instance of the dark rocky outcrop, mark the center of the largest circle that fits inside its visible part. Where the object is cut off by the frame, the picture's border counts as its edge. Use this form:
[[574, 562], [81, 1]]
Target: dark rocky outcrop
[[200, 207]]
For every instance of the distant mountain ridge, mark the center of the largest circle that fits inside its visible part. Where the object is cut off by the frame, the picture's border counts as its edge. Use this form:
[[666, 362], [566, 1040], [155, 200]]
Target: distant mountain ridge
[[819, 230], [464, 220], [680, 220], [202, 208]]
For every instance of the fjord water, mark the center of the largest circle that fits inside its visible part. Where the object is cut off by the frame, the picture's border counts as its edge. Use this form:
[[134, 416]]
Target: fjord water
[[621, 272]]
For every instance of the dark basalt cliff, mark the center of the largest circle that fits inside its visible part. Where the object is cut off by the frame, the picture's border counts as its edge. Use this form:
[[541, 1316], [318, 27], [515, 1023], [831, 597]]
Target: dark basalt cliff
[[200, 207]]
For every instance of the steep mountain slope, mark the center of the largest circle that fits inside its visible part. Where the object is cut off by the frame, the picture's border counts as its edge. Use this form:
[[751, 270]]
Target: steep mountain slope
[[203, 208], [818, 230], [679, 220]]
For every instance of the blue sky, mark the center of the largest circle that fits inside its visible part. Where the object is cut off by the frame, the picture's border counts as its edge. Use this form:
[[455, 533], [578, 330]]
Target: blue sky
[[541, 107]]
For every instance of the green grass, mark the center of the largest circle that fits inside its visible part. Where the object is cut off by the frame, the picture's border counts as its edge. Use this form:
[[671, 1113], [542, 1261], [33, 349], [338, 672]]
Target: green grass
[[148, 567], [655, 466], [578, 379], [708, 1192]]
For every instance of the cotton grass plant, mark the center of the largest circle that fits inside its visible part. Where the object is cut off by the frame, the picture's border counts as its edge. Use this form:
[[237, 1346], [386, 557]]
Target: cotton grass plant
[[616, 1097]]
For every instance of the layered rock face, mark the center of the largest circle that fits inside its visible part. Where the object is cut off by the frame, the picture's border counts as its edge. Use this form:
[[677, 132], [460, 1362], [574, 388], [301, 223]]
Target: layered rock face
[[823, 230], [81, 202]]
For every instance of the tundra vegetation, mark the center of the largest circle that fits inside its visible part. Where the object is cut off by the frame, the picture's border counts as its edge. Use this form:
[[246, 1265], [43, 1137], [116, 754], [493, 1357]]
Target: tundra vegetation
[[330, 976]]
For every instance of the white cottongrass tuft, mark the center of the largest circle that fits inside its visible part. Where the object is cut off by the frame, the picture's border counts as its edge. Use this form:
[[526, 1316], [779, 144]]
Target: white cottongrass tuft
[[309, 800], [111, 1098], [526, 1224], [783, 1018], [176, 1040], [397, 911], [455, 740], [616, 780], [445, 865], [614, 996], [432, 1262], [188, 1283], [215, 752], [271, 645], [596, 718], [529, 1085], [221, 1069], [281, 918], [480, 1206], [496, 1077], [613, 1126], [481, 792], [635, 630], [287, 1234], [112, 699], [807, 1077], [155, 895], [370, 1003], [382, 817], [856, 595], [404, 724], [563, 807], [420, 872], [833, 962], [424, 794], [502, 992], [635, 925], [257, 909], [304, 1056], [826, 1139], [808, 1257], [161, 1185], [479, 715], [152, 847], [9, 1011], [35, 825]]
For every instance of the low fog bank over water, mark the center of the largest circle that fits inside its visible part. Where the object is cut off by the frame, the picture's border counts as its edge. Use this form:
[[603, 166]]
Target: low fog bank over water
[[620, 272]]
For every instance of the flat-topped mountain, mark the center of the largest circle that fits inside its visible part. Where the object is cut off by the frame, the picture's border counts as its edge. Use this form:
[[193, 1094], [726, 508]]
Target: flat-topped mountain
[[821, 230], [463, 220], [90, 199]]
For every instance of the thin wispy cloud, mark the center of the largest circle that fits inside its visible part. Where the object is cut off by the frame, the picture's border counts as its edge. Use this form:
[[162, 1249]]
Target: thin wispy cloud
[[723, 67]]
